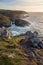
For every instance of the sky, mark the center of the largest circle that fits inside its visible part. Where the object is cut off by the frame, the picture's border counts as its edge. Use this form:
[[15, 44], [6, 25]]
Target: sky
[[25, 5]]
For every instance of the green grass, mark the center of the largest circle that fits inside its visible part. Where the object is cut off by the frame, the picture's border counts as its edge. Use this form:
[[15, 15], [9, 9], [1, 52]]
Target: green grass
[[5, 61], [8, 46]]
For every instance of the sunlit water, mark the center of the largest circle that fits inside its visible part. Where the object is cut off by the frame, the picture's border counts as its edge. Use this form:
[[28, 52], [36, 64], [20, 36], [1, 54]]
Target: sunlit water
[[36, 24]]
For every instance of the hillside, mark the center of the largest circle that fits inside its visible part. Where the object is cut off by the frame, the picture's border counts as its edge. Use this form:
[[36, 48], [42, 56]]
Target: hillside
[[4, 21], [13, 14], [13, 53]]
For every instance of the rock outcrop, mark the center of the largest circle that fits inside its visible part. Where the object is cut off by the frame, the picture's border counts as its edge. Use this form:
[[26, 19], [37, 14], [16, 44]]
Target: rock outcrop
[[33, 47], [32, 41], [22, 23]]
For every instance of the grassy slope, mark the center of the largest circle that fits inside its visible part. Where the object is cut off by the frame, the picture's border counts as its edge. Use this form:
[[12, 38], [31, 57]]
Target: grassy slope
[[8, 47], [4, 20], [13, 14], [11, 47]]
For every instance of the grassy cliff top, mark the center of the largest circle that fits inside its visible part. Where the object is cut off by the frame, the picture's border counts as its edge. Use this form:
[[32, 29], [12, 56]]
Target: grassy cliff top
[[13, 54], [13, 13], [4, 20]]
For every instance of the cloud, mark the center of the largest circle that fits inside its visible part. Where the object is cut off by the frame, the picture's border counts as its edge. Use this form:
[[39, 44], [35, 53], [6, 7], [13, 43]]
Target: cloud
[[25, 8], [23, 2], [31, 2], [27, 5]]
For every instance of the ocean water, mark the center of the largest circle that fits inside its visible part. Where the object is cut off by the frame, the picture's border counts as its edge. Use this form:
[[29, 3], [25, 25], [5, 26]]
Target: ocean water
[[36, 24]]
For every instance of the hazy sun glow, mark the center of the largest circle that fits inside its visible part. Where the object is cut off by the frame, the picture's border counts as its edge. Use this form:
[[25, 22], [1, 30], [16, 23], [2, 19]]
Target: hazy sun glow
[[26, 5]]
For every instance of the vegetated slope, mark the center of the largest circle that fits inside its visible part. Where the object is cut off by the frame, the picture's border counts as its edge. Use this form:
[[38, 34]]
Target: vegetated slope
[[13, 14], [15, 54], [4, 21], [9, 52]]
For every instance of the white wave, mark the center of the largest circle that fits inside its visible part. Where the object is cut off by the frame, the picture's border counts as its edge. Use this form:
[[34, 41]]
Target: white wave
[[34, 26]]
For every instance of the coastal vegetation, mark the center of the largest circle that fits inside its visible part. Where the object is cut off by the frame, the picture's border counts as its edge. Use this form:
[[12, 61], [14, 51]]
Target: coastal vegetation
[[9, 52], [12, 52], [13, 14], [4, 21]]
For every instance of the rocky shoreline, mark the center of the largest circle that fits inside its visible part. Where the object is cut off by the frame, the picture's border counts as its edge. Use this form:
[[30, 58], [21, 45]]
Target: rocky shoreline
[[33, 51], [24, 49]]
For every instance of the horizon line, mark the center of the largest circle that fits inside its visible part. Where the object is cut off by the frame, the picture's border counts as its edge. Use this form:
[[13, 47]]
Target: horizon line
[[19, 10]]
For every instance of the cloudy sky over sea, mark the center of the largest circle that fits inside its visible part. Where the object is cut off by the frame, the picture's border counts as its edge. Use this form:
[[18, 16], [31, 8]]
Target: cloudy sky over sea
[[27, 5]]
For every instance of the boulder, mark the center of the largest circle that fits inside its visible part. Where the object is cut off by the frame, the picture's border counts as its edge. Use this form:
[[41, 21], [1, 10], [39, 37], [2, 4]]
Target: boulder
[[32, 41], [22, 23]]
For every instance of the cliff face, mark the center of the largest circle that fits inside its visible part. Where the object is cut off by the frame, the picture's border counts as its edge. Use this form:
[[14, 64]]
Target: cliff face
[[13, 14], [6, 16]]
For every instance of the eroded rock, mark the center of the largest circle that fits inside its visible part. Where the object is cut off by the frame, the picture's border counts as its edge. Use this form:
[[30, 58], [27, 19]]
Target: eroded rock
[[22, 23]]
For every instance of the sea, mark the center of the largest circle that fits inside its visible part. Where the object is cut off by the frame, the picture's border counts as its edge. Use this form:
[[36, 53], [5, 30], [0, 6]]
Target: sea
[[36, 24]]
